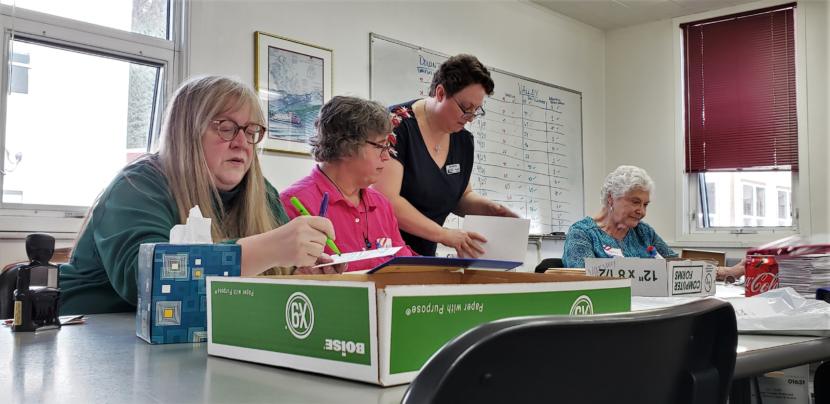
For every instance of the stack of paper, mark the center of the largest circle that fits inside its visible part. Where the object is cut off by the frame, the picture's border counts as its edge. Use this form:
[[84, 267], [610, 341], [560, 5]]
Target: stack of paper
[[360, 255], [804, 273], [506, 236]]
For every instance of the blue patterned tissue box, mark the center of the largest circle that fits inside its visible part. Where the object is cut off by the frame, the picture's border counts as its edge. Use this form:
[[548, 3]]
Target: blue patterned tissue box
[[172, 305]]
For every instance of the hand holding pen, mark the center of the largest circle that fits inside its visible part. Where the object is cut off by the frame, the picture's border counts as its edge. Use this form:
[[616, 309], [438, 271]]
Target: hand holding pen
[[303, 211], [298, 243]]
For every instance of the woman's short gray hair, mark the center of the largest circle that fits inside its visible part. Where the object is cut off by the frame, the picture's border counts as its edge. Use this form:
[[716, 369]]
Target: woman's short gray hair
[[345, 123], [624, 179]]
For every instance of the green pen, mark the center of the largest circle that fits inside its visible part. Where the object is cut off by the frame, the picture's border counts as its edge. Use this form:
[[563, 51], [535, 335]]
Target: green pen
[[303, 211]]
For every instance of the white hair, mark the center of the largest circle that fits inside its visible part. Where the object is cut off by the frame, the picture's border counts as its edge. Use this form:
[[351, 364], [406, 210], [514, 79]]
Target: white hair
[[623, 180]]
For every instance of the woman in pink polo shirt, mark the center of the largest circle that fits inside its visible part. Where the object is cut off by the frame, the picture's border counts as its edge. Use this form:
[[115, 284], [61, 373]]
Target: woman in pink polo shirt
[[353, 143]]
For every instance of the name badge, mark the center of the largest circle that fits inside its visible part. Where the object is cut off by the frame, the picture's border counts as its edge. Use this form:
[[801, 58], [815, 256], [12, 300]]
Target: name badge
[[383, 242], [453, 168], [613, 252]]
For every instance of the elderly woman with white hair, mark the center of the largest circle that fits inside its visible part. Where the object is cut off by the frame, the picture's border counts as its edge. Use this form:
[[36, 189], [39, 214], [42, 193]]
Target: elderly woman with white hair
[[618, 229]]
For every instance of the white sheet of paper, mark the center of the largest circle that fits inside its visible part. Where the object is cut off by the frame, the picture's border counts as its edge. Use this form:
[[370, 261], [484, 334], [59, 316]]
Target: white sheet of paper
[[506, 236], [361, 255]]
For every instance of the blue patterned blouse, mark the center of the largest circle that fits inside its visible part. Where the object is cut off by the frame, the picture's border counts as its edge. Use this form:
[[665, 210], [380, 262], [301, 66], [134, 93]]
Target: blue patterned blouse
[[586, 240]]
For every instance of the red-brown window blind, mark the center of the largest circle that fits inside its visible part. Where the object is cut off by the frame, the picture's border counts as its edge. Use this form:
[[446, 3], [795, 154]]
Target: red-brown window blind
[[740, 91]]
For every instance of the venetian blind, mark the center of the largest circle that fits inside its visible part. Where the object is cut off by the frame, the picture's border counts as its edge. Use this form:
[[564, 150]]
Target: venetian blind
[[740, 99]]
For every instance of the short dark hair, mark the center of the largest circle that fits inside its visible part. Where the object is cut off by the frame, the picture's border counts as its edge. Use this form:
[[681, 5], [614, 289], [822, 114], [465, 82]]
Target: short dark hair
[[459, 72], [344, 124]]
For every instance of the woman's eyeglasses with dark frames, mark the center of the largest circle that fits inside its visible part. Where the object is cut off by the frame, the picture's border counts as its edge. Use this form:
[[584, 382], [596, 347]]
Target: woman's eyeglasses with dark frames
[[228, 130], [476, 113]]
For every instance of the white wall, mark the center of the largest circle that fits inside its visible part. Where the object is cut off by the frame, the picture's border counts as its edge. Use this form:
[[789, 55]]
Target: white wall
[[640, 112], [642, 128], [817, 42], [627, 72], [514, 36]]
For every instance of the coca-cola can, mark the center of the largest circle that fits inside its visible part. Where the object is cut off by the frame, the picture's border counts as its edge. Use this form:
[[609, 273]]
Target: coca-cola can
[[761, 273]]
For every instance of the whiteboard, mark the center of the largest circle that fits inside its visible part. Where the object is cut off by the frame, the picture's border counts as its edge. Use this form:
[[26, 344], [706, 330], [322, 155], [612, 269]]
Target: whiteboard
[[528, 153]]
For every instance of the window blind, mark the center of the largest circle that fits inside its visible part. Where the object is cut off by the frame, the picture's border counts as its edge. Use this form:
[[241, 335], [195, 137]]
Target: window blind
[[740, 99]]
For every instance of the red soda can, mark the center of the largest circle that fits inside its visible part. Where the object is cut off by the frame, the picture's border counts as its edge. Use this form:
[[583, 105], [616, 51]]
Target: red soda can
[[761, 273]]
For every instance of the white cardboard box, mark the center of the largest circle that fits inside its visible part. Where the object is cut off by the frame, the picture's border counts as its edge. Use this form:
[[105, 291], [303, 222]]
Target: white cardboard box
[[658, 277]]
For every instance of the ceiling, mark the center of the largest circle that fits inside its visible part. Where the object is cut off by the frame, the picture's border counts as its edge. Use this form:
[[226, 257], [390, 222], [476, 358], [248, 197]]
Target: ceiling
[[612, 14]]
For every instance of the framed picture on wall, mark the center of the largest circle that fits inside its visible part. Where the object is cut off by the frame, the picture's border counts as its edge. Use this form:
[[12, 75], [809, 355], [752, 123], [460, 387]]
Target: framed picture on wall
[[293, 80]]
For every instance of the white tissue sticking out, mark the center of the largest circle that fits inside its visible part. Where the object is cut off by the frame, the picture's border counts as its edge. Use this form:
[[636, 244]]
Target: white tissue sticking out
[[196, 231]]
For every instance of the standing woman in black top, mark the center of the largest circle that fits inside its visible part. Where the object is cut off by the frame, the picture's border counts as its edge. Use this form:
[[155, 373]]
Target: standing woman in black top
[[430, 177]]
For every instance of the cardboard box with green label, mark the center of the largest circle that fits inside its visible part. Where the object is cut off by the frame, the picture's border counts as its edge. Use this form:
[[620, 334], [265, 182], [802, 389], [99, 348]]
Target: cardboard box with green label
[[381, 328]]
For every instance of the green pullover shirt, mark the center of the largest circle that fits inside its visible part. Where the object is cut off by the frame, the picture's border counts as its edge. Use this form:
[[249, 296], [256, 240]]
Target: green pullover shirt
[[136, 208]]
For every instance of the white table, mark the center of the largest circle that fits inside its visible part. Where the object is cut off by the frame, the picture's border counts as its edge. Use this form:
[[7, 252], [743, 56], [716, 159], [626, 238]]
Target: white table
[[103, 361]]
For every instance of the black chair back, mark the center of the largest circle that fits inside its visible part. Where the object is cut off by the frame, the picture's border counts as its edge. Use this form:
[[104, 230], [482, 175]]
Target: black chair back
[[683, 354], [549, 263]]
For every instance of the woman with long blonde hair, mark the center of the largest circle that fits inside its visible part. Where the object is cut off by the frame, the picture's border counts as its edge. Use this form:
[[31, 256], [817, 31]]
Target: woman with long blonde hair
[[206, 158]]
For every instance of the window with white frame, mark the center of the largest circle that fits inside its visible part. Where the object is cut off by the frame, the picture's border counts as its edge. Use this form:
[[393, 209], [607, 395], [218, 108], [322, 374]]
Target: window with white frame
[[146, 17], [86, 84], [784, 207], [19, 80], [711, 201], [740, 199], [741, 132], [754, 205]]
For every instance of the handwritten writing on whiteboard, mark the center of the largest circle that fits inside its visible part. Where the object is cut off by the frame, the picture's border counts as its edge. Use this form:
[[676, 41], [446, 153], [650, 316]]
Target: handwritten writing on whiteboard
[[524, 156], [528, 146]]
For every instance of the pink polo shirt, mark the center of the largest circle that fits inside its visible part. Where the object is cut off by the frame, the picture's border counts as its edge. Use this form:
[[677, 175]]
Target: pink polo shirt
[[373, 219]]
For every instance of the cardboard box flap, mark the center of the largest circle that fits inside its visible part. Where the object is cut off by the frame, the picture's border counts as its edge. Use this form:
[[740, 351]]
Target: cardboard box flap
[[432, 264], [437, 275], [473, 276], [718, 256], [464, 277]]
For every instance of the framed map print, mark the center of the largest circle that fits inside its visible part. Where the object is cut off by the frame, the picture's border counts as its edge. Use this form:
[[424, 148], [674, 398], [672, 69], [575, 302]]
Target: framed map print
[[293, 80]]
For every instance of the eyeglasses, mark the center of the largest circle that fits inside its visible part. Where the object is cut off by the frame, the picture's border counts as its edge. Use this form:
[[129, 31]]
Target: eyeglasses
[[469, 115], [228, 130], [388, 148]]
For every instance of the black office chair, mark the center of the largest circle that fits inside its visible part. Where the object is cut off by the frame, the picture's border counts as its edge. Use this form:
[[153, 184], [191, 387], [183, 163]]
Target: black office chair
[[683, 354], [549, 263]]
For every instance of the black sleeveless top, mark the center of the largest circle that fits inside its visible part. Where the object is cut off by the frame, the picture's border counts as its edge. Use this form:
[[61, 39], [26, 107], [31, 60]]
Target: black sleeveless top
[[434, 191]]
